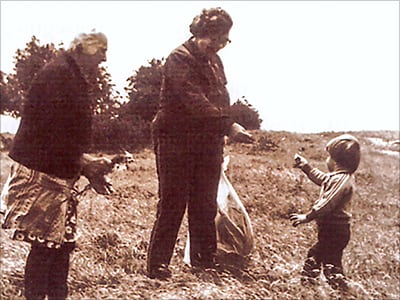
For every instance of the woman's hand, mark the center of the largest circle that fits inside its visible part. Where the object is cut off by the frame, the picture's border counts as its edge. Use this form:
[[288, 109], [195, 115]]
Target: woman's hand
[[239, 134], [95, 170]]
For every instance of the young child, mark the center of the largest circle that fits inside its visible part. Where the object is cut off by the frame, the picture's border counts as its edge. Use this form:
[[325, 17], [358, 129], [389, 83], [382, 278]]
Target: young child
[[331, 210]]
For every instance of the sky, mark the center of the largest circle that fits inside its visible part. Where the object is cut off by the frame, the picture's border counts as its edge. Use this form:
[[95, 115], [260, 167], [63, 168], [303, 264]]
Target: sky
[[305, 66]]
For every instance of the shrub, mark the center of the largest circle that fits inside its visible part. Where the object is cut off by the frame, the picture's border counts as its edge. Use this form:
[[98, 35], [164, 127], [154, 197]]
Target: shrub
[[245, 114], [117, 133]]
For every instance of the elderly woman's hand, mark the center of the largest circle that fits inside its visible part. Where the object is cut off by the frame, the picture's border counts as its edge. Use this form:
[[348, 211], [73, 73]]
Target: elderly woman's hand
[[96, 170]]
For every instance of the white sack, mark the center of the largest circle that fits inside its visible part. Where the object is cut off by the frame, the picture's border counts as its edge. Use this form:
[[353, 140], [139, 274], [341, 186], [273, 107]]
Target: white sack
[[233, 225]]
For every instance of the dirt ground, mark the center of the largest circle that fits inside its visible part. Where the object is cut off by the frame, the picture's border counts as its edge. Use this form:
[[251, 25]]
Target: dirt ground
[[109, 262]]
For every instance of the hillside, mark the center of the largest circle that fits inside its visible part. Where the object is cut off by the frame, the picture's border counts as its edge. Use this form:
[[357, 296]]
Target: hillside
[[109, 262]]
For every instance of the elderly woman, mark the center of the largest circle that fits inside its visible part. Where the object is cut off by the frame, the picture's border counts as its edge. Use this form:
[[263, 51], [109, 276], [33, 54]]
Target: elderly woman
[[48, 154], [189, 131]]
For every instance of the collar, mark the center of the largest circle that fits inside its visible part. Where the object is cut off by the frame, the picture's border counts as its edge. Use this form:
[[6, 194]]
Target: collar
[[76, 67], [194, 49]]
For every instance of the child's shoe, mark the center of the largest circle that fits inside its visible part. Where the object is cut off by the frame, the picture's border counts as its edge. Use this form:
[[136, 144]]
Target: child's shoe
[[335, 277], [311, 268]]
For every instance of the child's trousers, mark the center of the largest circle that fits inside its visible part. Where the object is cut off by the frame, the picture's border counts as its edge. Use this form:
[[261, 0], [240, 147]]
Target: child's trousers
[[46, 272], [328, 251]]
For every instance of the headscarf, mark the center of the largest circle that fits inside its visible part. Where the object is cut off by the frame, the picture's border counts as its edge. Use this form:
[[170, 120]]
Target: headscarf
[[90, 42], [345, 150]]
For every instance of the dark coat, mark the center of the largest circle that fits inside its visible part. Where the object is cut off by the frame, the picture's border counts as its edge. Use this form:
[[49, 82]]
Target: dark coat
[[55, 127], [194, 98]]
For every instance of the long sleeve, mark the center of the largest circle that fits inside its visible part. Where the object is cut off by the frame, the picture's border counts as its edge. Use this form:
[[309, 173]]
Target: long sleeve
[[193, 96], [185, 86], [332, 204], [314, 174], [56, 124]]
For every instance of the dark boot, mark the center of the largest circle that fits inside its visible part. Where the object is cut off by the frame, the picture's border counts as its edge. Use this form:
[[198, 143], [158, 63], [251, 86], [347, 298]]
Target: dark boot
[[311, 271], [159, 272], [335, 277], [311, 268]]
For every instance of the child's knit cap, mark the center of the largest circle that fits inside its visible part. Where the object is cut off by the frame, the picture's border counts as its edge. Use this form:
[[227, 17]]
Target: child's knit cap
[[345, 150]]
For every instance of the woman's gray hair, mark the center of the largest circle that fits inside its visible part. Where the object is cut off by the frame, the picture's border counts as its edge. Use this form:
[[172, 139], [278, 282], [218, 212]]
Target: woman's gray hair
[[211, 22], [90, 43]]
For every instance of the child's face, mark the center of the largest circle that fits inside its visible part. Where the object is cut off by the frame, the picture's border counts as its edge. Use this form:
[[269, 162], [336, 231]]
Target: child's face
[[330, 163]]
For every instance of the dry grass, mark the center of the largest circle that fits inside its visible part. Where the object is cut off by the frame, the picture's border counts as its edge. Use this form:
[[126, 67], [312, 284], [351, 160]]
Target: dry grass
[[109, 262]]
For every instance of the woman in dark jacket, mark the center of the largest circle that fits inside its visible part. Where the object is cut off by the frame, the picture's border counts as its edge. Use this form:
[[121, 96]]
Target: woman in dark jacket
[[189, 131], [48, 154]]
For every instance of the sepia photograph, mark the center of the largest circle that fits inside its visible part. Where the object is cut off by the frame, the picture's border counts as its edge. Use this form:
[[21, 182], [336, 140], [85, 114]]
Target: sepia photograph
[[172, 150]]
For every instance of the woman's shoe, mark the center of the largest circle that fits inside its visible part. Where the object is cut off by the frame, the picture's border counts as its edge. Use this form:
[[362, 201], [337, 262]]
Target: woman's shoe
[[160, 272]]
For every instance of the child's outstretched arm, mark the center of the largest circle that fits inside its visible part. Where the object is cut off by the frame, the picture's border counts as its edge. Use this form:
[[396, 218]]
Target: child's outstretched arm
[[338, 192], [313, 174]]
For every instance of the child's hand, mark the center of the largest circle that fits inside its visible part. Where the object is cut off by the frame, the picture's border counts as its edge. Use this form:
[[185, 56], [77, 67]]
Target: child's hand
[[298, 219], [300, 161]]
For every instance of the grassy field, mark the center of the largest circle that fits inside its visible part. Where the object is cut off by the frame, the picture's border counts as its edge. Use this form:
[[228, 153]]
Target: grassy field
[[109, 262]]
